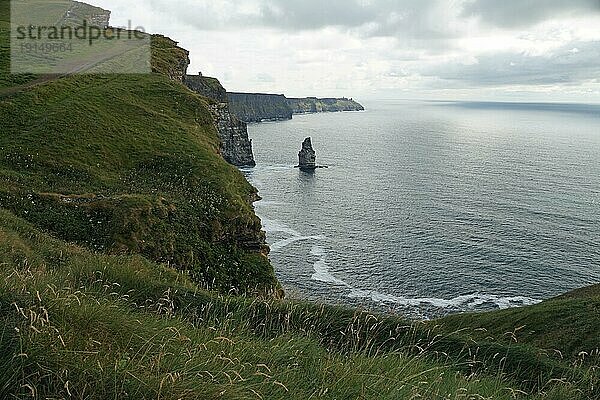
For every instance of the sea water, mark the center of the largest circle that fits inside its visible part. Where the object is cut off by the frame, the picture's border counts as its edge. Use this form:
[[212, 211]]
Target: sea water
[[430, 208]]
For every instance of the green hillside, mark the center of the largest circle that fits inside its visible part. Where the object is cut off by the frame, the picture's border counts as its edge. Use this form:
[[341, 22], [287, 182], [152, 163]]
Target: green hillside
[[130, 164], [568, 326], [7, 80]]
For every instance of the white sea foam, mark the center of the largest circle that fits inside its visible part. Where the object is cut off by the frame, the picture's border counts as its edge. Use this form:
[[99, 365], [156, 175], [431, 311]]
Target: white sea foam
[[274, 167], [277, 246], [317, 251], [322, 272], [467, 301], [265, 203], [273, 226]]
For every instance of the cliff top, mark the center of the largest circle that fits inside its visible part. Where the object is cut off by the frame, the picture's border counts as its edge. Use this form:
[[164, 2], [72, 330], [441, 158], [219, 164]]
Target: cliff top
[[255, 94], [209, 87]]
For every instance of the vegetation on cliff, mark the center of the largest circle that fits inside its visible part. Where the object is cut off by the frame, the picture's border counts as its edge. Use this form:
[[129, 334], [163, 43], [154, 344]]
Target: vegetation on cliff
[[80, 324], [207, 86], [131, 164]]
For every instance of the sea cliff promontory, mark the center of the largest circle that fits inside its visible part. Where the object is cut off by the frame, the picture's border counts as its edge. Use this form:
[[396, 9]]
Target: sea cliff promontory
[[315, 105], [259, 107], [131, 164]]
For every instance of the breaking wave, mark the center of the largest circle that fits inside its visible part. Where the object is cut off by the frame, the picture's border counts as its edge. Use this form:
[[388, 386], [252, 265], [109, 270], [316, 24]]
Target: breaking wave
[[322, 273]]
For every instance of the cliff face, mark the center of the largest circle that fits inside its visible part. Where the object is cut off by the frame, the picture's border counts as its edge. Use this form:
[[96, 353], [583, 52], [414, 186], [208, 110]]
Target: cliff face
[[207, 87], [236, 146], [168, 58], [315, 105], [256, 107]]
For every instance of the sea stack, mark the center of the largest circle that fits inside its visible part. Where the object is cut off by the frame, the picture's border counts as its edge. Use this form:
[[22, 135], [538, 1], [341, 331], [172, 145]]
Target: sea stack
[[307, 156]]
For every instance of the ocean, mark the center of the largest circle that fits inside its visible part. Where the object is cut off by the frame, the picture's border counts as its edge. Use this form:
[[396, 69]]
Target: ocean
[[432, 208]]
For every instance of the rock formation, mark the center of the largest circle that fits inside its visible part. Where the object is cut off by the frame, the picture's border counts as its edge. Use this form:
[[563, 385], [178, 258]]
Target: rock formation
[[236, 146], [169, 59], [307, 158]]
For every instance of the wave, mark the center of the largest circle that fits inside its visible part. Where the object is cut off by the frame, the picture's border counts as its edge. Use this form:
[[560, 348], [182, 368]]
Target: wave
[[273, 226], [286, 242], [267, 167], [468, 301], [322, 273]]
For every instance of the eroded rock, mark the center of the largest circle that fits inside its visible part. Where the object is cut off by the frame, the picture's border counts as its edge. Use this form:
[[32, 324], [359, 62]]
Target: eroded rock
[[307, 158]]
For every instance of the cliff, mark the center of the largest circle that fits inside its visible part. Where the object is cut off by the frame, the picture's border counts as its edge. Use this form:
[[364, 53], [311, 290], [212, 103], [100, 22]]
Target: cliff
[[315, 105], [131, 165], [258, 107], [169, 59], [236, 146]]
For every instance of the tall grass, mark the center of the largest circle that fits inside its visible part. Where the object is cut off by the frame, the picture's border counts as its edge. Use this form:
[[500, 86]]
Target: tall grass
[[77, 324]]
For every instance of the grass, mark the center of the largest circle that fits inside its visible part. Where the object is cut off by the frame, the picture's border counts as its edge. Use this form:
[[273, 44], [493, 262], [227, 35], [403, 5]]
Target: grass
[[78, 324], [138, 170], [567, 326], [6, 79], [130, 164]]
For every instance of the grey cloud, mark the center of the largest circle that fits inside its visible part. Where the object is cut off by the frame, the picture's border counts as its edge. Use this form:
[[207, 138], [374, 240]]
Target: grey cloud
[[408, 20], [572, 64], [314, 14], [412, 18], [383, 17], [398, 18], [418, 28], [522, 13]]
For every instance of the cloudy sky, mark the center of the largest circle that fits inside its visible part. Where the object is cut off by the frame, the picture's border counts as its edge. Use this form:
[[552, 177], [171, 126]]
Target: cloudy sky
[[514, 50]]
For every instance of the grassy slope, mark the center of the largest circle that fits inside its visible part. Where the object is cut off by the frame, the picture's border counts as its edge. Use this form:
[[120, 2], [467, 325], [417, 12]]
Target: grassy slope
[[130, 164], [568, 326], [81, 325]]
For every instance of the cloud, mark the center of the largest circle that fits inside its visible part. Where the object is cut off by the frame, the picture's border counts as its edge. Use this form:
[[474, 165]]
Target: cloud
[[571, 64], [315, 47], [525, 13], [416, 19]]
